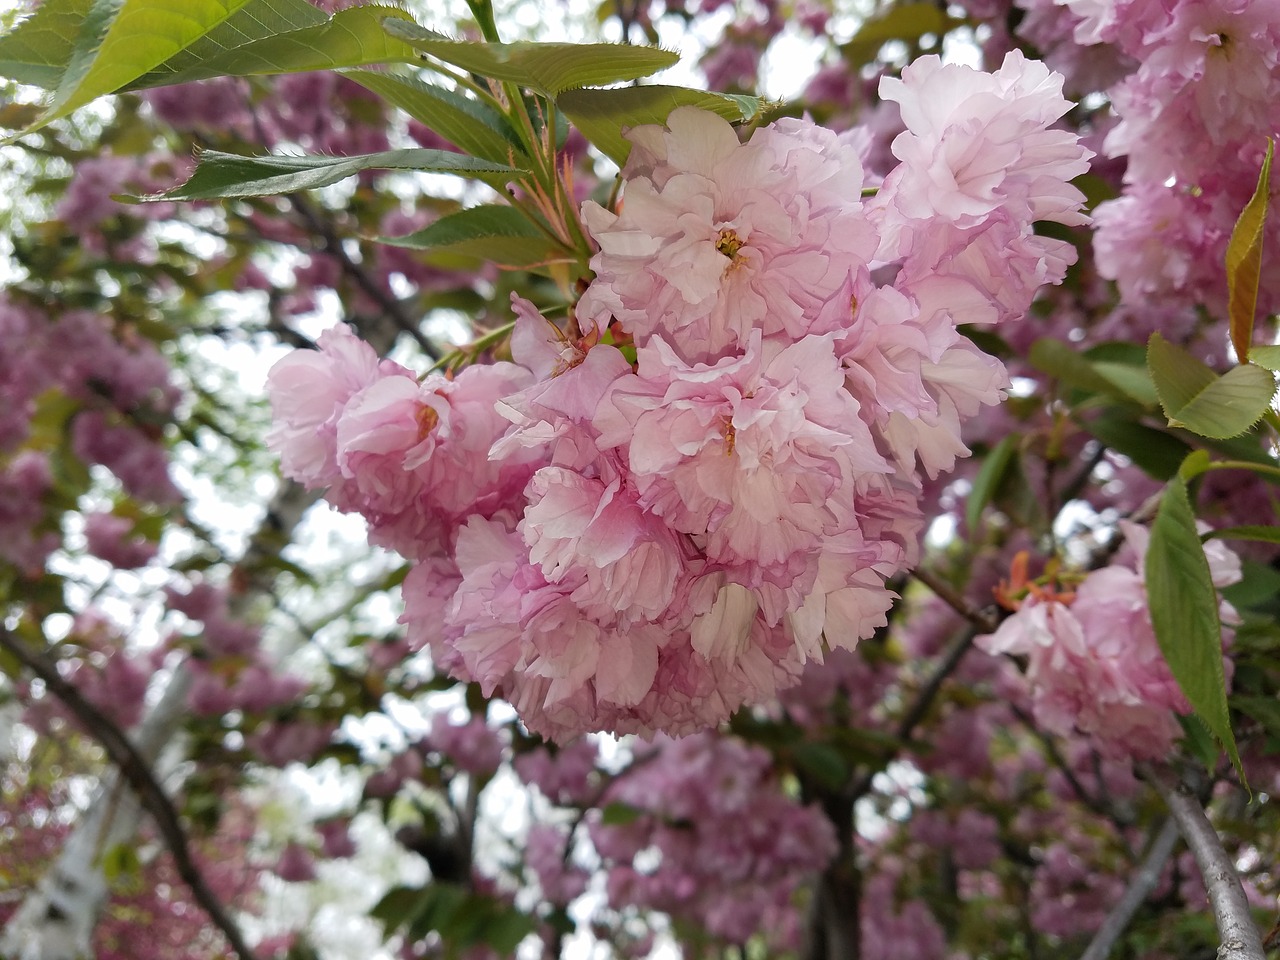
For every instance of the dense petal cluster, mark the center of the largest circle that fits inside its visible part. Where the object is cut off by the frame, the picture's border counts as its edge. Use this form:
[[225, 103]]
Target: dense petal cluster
[[645, 545], [730, 882], [1193, 117], [1094, 664]]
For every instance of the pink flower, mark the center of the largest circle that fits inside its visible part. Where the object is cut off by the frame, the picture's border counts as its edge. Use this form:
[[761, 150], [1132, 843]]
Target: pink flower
[[978, 142], [746, 452], [717, 238], [308, 390], [631, 560], [1095, 665]]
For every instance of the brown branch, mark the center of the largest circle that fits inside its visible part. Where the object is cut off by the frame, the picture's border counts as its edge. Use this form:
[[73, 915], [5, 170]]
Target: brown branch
[[394, 308], [1140, 886], [1240, 937], [919, 708], [137, 772], [982, 621]]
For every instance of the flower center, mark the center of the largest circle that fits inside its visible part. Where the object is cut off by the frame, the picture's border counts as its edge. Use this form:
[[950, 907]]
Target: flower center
[[729, 243], [427, 420]]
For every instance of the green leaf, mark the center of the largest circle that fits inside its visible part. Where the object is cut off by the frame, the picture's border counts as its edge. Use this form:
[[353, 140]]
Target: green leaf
[[822, 762], [1244, 261], [229, 175], [120, 40], [1249, 531], [1259, 587], [602, 115], [397, 907], [1157, 453], [38, 49], [1197, 462], [505, 931], [256, 20], [618, 814], [1193, 396], [1114, 379], [1199, 741], [352, 37], [1184, 612], [1266, 710], [473, 127], [500, 234], [548, 68], [995, 465], [120, 862], [1266, 356], [908, 22]]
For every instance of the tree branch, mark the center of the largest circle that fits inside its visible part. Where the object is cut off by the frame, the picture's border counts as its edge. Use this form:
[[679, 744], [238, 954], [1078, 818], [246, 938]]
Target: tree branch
[[1143, 882], [983, 622], [1240, 938], [394, 308], [137, 772], [924, 700]]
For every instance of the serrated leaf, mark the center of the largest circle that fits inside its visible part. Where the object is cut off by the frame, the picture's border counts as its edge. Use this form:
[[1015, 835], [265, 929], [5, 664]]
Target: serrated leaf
[[1184, 612], [221, 176], [1066, 363], [256, 20], [995, 465], [1196, 398], [472, 126], [1157, 453], [1244, 261], [548, 68], [1178, 375], [491, 232], [120, 40], [602, 115], [1230, 405], [352, 37], [1266, 356], [37, 50]]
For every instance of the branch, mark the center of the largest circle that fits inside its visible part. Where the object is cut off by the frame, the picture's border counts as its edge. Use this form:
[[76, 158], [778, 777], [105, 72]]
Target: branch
[[923, 701], [134, 768], [983, 622], [1144, 881], [393, 307], [1240, 938]]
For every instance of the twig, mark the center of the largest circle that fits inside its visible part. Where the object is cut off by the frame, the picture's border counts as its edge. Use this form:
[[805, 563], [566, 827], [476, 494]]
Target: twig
[[1240, 938], [984, 622], [1143, 882], [923, 701], [140, 777], [393, 307], [1099, 805]]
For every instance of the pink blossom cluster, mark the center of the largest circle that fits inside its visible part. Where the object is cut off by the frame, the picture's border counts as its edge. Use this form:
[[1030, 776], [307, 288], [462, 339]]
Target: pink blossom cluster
[[1194, 116], [730, 882], [1094, 664], [645, 545]]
